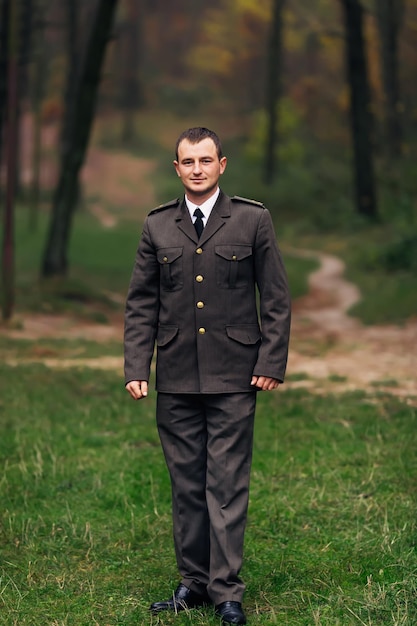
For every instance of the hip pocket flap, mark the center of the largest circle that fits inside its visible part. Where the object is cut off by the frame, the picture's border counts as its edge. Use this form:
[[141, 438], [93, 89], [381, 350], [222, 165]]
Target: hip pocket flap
[[244, 333], [166, 334]]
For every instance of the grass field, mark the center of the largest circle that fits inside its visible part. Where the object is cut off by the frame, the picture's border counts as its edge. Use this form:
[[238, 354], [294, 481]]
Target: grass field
[[85, 530]]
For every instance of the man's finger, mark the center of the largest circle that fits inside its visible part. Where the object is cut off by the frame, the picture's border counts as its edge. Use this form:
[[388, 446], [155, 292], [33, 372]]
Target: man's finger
[[138, 389], [265, 383]]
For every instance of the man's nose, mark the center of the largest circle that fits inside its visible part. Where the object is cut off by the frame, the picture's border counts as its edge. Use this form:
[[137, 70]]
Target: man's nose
[[197, 167]]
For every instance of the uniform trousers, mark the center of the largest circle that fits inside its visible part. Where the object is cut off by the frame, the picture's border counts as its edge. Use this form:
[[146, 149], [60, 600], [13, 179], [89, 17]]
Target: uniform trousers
[[207, 441]]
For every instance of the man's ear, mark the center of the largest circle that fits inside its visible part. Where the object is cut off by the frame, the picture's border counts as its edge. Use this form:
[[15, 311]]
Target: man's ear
[[176, 168], [223, 163]]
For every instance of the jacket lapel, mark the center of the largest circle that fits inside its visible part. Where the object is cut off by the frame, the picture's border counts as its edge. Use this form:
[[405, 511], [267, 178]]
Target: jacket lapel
[[218, 217], [184, 223]]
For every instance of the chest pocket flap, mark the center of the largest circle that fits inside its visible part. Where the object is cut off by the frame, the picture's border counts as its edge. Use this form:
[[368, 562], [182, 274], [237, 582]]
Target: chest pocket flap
[[232, 252], [170, 261], [233, 265], [168, 255]]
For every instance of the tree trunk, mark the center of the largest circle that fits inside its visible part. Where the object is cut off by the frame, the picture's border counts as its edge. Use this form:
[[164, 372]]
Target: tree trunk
[[11, 160], [389, 14], [131, 89], [37, 97], [360, 109], [73, 57], [24, 35], [273, 88], [80, 117], [4, 21]]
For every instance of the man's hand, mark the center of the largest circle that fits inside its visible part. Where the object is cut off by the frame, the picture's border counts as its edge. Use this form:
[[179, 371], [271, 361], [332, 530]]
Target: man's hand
[[138, 389], [264, 383]]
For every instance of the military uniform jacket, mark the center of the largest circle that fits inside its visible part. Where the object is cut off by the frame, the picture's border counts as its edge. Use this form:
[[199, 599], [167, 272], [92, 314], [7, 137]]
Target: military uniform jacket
[[196, 298]]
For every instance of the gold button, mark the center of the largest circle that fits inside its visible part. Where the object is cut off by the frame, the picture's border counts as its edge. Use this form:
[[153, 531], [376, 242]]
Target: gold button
[[199, 251], [165, 259], [199, 278], [201, 331], [234, 257], [200, 305]]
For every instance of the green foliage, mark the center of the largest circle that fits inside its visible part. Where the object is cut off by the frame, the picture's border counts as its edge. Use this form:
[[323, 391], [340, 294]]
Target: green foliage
[[387, 298], [382, 261], [298, 271], [401, 254], [85, 530], [290, 148], [179, 99], [396, 250], [311, 192]]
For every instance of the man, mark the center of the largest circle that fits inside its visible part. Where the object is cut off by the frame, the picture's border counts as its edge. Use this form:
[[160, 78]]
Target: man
[[193, 292]]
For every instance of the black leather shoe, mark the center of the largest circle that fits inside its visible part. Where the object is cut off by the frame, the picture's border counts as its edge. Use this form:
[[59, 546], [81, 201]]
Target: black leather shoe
[[183, 598], [231, 612]]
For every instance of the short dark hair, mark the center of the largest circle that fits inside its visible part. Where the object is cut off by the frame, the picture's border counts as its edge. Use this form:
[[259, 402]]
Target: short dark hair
[[197, 134]]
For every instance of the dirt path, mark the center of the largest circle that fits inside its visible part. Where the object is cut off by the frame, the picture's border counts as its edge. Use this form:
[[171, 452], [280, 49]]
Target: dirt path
[[338, 353]]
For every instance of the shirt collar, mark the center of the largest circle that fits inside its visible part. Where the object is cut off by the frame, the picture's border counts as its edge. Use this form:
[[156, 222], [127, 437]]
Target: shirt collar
[[206, 206]]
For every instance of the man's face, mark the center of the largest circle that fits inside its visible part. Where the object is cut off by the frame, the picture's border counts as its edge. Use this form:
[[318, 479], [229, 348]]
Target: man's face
[[199, 168]]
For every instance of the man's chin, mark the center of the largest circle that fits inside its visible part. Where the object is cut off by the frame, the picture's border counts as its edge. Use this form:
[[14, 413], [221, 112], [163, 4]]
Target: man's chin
[[201, 190]]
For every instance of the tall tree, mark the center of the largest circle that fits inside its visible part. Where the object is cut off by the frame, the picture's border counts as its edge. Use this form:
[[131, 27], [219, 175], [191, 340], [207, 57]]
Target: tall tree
[[80, 117], [24, 39], [11, 159], [360, 108], [274, 88], [390, 16], [71, 10], [4, 32]]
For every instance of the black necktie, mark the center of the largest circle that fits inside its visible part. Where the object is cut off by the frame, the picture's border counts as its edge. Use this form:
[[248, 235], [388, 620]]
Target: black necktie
[[198, 224]]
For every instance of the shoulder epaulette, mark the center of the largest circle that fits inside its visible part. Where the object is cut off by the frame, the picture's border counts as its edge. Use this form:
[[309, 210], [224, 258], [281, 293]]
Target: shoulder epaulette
[[248, 201], [167, 205]]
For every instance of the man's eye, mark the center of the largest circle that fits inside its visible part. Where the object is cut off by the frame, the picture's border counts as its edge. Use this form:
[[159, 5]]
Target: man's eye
[[206, 161]]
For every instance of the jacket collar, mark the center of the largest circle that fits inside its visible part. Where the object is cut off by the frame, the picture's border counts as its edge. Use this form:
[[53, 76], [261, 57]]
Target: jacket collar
[[218, 217]]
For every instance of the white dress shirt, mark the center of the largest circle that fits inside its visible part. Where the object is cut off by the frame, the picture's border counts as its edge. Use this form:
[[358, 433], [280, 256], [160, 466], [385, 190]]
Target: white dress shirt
[[205, 207]]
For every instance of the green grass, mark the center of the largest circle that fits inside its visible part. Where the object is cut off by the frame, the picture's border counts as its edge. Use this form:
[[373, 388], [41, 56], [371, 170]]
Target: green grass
[[298, 271], [387, 297], [97, 256], [85, 530], [100, 265]]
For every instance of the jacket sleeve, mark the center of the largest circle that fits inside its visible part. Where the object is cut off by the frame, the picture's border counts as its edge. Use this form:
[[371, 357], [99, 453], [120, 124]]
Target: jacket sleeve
[[142, 311], [274, 302]]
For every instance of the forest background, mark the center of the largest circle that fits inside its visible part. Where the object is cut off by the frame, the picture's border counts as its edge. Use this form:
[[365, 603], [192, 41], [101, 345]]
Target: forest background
[[316, 104]]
